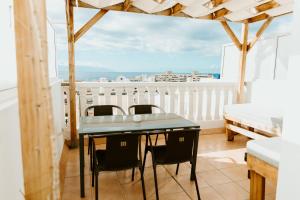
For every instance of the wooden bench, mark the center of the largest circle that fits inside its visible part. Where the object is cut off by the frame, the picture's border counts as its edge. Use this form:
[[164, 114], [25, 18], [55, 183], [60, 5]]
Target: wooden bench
[[263, 158], [253, 121]]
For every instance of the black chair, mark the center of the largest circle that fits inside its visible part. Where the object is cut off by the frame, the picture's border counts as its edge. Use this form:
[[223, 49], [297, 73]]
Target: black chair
[[99, 110], [122, 152], [144, 109], [179, 149]]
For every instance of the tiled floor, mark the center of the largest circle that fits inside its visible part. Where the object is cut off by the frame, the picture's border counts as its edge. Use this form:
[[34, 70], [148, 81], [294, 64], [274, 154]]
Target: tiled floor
[[221, 175]]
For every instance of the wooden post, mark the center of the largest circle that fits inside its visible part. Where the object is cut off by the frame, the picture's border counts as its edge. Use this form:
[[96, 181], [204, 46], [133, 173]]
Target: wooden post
[[40, 168], [260, 32], [229, 133], [72, 84], [243, 59], [230, 33], [257, 186]]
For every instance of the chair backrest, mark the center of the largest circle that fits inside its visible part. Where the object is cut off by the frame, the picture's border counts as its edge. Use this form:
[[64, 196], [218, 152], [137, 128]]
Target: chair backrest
[[143, 109], [102, 110], [180, 145], [122, 151]]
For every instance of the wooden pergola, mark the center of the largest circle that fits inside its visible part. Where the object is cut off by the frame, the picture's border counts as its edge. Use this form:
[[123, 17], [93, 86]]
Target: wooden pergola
[[244, 12]]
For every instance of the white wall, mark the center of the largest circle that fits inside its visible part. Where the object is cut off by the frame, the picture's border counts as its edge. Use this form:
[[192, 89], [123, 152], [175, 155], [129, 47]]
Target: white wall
[[58, 115], [268, 60], [7, 48], [11, 170], [289, 173]]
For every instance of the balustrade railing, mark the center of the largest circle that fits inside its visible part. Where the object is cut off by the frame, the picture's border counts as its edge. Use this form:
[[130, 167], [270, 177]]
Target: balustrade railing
[[201, 102]]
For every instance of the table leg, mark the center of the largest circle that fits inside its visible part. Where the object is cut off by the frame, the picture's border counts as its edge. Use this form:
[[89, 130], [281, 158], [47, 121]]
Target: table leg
[[81, 164], [195, 152]]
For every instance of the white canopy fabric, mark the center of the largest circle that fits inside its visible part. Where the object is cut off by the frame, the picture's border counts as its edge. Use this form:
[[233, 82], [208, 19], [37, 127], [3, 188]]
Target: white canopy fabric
[[232, 10]]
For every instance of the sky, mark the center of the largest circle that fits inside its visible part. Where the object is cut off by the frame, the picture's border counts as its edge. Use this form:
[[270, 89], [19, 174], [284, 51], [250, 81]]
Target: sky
[[128, 42]]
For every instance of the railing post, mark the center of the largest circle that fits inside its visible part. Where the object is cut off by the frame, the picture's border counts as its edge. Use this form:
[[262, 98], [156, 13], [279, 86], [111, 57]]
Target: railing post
[[130, 96], [190, 90], [208, 102], [141, 95], [200, 103], [217, 102], [151, 95], [119, 98], [172, 90], [162, 97], [181, 94], [107, 95]]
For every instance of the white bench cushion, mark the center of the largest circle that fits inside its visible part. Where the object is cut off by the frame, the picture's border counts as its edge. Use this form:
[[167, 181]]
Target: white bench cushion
[[261, 117], [267, 150]]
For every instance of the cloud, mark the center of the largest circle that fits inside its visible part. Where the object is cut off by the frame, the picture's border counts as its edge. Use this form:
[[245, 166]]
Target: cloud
[[122, 32], [128, 32]]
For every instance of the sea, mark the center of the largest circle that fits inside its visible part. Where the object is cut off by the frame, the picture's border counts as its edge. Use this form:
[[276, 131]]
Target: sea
[[94, 74]]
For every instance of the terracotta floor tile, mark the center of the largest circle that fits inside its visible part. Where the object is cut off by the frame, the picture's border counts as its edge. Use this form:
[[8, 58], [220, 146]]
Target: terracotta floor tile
[[189, 186], [209, 194], [236, 173], [173, 196], [231, 191], [203, 164], [214, 177]]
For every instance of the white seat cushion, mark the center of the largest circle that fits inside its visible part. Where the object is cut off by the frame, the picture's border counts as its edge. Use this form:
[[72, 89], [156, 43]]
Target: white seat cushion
[[267, 150]]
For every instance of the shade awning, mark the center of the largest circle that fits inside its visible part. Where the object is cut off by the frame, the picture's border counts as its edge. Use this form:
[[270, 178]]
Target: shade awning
[[229, 10]]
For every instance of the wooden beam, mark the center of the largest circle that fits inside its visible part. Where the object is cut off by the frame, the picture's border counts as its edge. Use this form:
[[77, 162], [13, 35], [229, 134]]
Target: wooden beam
[[234, 39], [218, 2], [260, 32], [89, 24], [72, 85], [243, 58], [267, 6], [126, 5], [219, 14], [257, 18], [176, 9], [40, 168]]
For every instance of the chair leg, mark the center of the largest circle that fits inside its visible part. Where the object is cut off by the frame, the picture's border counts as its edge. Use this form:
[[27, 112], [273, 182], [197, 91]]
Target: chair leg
[[93, 178], [91, 155], [197, 188], [143, 184], [155, 181], [177, 168], [96, 186], [145, 155], [132, 175], [156, 139]]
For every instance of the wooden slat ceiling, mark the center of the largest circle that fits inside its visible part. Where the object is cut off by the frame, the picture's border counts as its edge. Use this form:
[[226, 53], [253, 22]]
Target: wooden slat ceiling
[[229, 10]]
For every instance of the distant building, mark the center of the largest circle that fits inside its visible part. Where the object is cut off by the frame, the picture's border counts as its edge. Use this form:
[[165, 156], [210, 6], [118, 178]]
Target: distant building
[[172, 77], [103, 79], [122, 79]]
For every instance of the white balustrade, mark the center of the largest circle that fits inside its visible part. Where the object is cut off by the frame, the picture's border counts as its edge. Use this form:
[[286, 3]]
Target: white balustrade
[[198, 101]]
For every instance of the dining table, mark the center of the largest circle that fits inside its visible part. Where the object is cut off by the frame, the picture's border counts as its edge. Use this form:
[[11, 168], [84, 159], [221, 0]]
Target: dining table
[[103, 126]]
